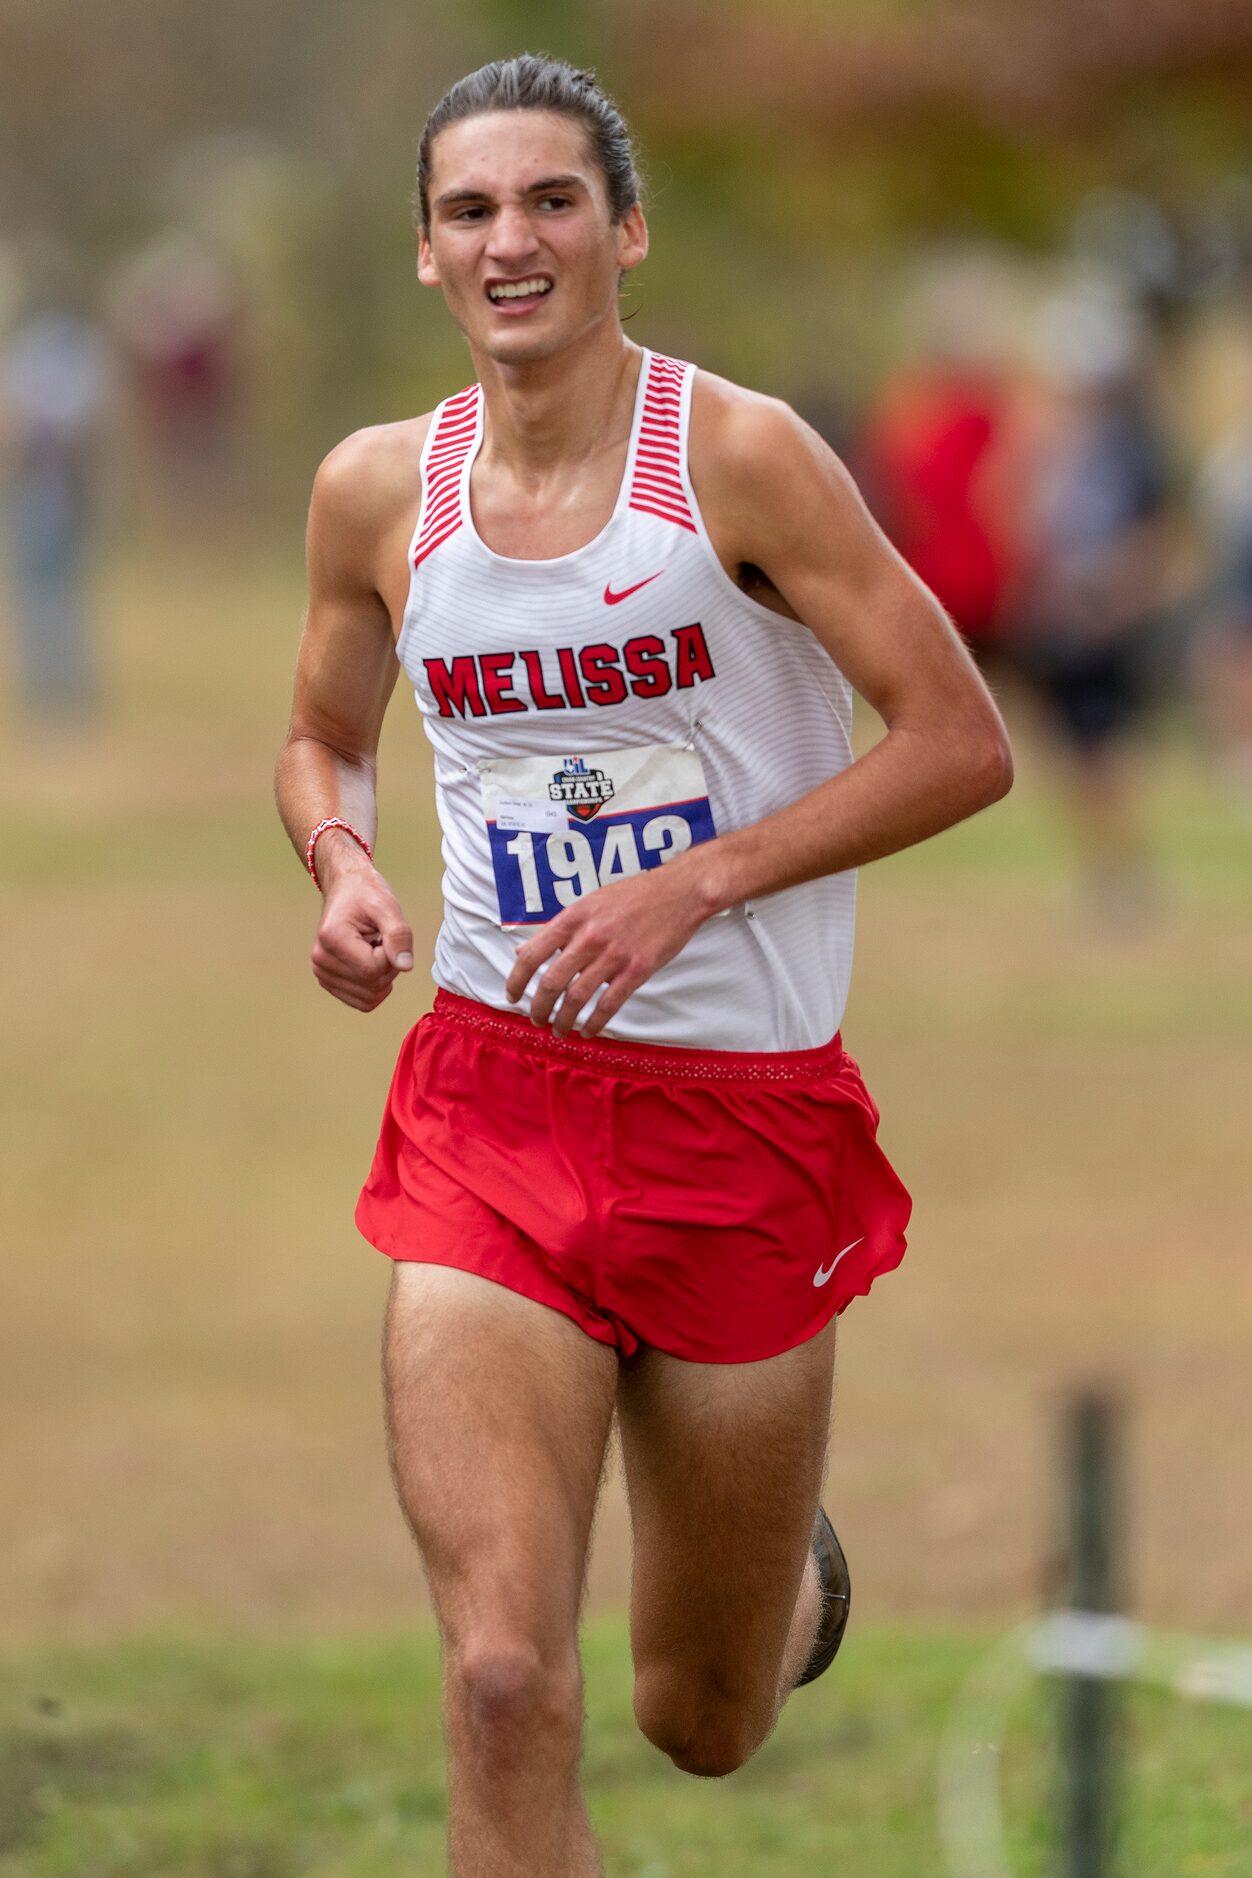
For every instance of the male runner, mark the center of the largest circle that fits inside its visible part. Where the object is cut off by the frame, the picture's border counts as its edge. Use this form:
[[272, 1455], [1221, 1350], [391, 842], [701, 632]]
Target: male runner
[[625, 1163]]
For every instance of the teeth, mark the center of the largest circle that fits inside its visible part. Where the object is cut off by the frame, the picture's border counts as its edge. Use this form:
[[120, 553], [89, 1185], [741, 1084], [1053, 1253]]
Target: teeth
[[515, 289]]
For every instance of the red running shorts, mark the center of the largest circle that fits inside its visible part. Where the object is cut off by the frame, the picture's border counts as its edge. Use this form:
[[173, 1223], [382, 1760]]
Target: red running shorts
[[717, 1205]]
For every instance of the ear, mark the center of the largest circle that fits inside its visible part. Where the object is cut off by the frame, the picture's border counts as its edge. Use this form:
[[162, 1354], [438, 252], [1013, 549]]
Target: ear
[[632, 238], [427, 269]]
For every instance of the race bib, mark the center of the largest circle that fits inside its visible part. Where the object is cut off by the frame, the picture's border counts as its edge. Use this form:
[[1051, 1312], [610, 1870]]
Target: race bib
[[561, 827]]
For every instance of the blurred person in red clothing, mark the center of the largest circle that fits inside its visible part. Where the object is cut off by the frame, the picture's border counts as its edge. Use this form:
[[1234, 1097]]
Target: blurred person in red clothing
[[936, 453], [178, 317]]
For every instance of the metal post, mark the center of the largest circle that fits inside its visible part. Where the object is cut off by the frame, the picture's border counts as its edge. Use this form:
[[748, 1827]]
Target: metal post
[[1090, 1701]]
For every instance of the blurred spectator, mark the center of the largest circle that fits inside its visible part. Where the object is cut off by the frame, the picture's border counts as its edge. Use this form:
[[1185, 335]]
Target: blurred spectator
[[1225, 497], [177, 313], [1091, 576], [54, 385], [933, 458]]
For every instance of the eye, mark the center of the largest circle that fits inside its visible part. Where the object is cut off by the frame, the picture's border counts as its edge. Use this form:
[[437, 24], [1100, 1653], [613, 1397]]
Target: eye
[[557, 202], [473, 212]]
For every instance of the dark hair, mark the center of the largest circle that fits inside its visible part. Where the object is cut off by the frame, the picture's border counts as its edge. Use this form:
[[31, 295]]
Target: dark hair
[[535, 82]]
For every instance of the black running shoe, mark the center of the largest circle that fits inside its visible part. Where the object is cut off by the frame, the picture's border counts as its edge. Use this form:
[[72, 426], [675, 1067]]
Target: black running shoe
[[836, 1598]]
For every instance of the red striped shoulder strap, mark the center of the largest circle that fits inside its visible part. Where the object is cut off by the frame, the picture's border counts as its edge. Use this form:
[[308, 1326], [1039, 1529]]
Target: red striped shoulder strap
[[657, 483], [453, 435]]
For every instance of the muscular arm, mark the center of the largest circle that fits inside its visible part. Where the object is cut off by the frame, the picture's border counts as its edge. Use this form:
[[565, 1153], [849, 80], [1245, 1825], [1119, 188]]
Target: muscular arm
[[345, 674], [776, 499]]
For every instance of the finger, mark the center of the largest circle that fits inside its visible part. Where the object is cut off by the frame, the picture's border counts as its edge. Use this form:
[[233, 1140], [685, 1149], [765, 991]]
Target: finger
[[545, 995], [348, 947], [578, 994], [594, 953], [357, 1000], [530, 957], [398, 944], [349, 989], [350, 992], [610, 1003], [557, 978], [383, 970], [366, 933], [367, 963]]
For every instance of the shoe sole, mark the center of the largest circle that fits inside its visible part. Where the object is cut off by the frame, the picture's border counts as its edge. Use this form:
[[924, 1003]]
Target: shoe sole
[[836, 1598]]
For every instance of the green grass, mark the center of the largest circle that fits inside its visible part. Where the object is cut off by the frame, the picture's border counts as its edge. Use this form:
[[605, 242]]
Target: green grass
[[188, 1419], [234, 1759]]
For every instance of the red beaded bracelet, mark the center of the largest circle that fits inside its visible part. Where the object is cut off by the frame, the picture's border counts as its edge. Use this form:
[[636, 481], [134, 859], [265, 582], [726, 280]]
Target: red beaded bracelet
[[332, 821]]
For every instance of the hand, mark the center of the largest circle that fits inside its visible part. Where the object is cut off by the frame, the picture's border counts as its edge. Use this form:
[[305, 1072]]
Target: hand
[[614, 938], [362, 943]]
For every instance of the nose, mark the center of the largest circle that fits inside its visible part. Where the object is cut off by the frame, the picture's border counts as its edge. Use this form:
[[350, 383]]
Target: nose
[[512, 235]]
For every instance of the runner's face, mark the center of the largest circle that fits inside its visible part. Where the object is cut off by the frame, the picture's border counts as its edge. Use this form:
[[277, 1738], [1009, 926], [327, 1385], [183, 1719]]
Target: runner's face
[[516, 198]]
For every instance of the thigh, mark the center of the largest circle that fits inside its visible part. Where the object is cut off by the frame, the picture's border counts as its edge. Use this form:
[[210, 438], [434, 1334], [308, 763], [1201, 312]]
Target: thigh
[[498, 1412], [724, 1466]]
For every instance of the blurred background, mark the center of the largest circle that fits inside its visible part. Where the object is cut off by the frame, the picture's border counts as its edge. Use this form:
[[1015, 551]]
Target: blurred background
[[1002, 259]]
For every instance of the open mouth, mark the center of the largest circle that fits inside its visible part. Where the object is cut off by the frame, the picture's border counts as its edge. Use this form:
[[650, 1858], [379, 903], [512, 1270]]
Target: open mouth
[[517, 296]]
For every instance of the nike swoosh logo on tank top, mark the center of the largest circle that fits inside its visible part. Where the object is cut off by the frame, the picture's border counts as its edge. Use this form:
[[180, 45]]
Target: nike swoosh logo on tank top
[[615, 599], [575, 745]]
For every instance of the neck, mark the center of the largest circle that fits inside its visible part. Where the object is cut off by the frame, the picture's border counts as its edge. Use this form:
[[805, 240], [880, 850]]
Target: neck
[[563, 408]]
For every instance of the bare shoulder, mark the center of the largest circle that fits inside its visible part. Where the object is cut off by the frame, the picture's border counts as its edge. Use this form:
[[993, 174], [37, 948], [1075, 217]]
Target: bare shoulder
[[758, 468], [733, 417], [372, 476], [750, 428]]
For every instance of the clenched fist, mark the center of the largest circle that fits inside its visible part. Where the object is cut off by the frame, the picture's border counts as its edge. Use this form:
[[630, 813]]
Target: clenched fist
[[363, 941]]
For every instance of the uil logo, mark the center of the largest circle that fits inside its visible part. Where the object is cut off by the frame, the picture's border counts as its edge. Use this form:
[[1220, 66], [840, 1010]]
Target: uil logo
[[582, 791]]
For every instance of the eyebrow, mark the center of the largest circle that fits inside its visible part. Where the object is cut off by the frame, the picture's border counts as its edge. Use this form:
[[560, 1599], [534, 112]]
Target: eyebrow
[[544, 186]]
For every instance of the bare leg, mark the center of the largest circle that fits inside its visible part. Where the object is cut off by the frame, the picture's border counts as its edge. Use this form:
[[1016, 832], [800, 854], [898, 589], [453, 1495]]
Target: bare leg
[[498, 1413], [724, 1466], [1107, 802]]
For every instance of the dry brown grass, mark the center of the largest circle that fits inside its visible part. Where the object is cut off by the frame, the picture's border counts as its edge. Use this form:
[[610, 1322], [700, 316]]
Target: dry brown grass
[[189, 1426]]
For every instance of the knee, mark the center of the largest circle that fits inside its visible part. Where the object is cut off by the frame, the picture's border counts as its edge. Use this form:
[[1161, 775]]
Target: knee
[[513, 1703], [703, 1727]]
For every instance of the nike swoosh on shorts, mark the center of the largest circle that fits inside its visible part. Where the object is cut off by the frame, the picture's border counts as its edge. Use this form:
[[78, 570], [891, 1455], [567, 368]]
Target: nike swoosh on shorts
[[822, 1275]]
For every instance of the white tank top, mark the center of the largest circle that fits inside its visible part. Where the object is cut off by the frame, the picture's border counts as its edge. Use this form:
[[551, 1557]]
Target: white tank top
[[597, 713]]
